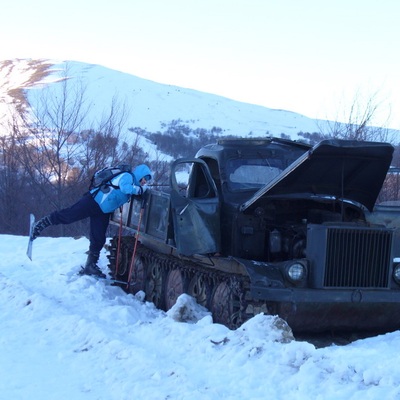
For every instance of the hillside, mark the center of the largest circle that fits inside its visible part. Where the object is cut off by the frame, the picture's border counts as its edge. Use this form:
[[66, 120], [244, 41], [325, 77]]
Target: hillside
[[149, 104]]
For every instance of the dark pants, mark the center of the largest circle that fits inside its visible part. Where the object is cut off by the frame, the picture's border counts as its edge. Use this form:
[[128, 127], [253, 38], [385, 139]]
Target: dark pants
[[86, 207]]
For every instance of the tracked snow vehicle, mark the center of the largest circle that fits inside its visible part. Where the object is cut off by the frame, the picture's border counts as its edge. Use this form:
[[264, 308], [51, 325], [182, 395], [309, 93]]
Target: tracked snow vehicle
[[268, 225]]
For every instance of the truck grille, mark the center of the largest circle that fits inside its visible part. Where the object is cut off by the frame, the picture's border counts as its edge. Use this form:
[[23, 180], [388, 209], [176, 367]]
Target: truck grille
[[357, 258]]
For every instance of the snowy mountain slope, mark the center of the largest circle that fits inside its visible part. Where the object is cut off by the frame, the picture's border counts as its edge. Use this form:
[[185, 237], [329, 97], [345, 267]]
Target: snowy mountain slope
[[149, 103]]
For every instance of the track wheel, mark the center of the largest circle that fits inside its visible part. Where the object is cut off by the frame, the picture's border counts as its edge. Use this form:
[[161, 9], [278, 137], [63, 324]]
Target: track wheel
[[138, 276], [154, 284], [123, 262], [175, 286], [200, 289], [225, 307]]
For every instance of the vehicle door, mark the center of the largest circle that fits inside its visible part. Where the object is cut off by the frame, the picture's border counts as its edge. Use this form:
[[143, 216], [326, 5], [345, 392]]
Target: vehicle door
[[195, 208]]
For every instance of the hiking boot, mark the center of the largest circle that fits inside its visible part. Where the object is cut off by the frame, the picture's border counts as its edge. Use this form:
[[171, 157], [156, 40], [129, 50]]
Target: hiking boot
[[40, 225], [91, 267], [93, 270]]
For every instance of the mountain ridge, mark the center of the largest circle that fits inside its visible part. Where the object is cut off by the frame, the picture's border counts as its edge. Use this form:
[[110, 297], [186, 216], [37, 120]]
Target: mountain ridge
[[150, 104]]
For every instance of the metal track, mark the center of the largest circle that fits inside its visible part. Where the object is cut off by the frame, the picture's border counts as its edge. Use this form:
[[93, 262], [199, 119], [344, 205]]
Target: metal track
[[162, 277]]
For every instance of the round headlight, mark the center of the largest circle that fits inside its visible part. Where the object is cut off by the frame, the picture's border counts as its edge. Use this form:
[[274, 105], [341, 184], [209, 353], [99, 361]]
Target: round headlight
[[396, 273], [296, 272]]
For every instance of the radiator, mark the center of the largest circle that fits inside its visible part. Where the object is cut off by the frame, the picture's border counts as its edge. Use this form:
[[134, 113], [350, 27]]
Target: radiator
[[347, 257]]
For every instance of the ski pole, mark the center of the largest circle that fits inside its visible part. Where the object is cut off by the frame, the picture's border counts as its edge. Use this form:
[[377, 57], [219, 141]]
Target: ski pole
[[119, 241], [135, 246]]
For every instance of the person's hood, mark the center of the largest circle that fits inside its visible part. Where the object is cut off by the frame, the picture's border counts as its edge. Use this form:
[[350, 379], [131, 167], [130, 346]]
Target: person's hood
[[346, 170], [141, 171]]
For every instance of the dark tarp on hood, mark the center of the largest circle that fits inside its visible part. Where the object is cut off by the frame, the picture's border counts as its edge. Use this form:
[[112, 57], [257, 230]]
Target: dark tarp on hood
[[349, 170]]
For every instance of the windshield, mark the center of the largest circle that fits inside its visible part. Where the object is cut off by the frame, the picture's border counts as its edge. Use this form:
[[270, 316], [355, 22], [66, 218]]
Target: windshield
[[251, 174]]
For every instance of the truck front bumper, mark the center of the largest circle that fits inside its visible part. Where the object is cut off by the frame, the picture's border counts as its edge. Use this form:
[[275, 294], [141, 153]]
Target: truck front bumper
[[317, 310]]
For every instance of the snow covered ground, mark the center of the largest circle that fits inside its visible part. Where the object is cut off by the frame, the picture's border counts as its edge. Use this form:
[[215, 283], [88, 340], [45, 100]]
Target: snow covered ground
[[63, 336]]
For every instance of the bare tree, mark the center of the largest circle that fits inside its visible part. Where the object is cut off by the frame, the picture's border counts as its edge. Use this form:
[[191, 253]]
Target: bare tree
[[56, 149], [359, 121], [102, 144], [50, 138], [14, 190]]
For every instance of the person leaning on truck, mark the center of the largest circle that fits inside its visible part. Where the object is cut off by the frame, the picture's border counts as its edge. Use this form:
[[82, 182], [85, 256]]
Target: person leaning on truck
[[98, 205]]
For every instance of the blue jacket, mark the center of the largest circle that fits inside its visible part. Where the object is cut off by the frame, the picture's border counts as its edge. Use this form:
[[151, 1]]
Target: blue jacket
[[109, 198]]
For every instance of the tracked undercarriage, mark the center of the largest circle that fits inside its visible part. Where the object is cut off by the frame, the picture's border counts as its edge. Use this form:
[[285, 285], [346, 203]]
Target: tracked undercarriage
[[163, 278]]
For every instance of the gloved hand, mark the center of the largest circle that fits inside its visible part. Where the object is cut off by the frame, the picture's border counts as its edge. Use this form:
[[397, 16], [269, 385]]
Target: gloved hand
[[140, 189], [144, 188]]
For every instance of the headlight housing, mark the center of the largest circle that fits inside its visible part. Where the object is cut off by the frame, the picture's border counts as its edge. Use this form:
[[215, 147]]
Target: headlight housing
[[396, 273], [296, 271]]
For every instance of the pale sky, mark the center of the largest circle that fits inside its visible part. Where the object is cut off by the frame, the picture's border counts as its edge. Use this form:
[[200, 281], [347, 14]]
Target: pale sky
[[306, 56]]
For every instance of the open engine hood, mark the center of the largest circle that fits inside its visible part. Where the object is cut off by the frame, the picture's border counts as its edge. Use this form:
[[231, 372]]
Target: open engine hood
[[348, 170]]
